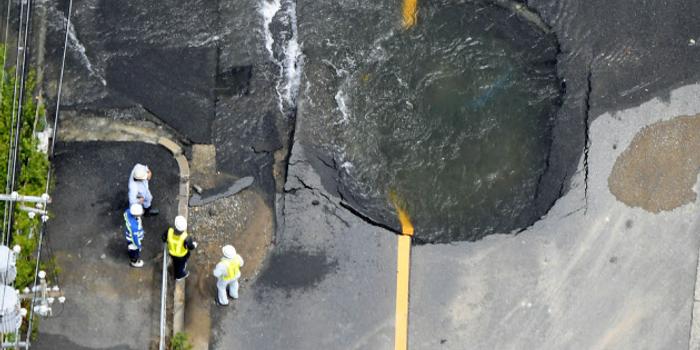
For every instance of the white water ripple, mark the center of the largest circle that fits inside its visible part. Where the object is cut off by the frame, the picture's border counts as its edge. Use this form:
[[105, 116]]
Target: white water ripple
[[73, 39], [340, 98], [292, 59], [290, 65], [267, 10]]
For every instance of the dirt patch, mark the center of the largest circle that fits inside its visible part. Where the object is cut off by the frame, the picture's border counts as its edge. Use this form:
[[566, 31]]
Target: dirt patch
[[203, 166], [279, 168], [243, 220], [658, 170]]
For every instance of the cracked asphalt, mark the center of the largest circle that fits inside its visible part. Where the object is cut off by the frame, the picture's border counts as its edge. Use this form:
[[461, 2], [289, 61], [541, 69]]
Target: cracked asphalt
[[594, 273]]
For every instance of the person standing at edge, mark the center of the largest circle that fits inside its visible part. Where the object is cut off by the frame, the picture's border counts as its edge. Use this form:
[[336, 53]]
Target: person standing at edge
[[179, 246], [134, 233], [227, 272], [138, 188]]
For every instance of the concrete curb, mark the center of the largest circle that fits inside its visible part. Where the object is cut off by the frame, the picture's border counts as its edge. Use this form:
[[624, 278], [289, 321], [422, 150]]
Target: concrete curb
[[105, 129], [182, 199]]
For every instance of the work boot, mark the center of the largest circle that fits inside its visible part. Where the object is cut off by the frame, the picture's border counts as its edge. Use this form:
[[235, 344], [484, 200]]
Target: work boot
[[183, 277], [138, 263], [151, 211]]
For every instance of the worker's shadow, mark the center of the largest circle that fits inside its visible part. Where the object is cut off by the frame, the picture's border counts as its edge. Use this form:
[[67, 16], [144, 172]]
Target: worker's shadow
[[112, 209]]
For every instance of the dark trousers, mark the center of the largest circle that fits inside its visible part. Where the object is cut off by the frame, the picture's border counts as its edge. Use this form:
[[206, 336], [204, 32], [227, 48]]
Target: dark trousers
[[134, 255], [180, 265]]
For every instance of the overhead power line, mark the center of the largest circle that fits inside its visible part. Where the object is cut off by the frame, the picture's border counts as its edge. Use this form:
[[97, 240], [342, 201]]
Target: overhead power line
[[49, 172]]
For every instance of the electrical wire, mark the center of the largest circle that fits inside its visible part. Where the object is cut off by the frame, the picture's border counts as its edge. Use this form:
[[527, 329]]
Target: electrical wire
[[36, 277], [10, 166], [12, 158], [19, 110], [49, 172], [2, 91], [60, 84], [51, 149]]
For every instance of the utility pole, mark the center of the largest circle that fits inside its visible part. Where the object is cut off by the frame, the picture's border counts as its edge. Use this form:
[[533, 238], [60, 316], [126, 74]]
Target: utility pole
[[41, 296], [46, 296], [41, 202]]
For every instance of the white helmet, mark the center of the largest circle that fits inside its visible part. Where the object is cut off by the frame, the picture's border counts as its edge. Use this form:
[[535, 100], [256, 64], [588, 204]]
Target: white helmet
[[180, 223], [136, 209], [229, 251], [140, 172]]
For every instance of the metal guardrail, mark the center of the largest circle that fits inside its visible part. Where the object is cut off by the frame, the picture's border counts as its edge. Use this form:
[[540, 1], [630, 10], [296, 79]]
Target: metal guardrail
[[163, 298]]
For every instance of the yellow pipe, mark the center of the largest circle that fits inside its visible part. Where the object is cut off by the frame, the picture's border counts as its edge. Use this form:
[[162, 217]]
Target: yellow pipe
[[409, 11]]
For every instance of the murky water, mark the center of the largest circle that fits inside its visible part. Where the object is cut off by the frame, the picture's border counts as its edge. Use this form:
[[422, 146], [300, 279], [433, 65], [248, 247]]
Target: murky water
[[454, 115]]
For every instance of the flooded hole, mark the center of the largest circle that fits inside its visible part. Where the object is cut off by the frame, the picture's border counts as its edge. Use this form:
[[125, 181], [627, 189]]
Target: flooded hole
[[455, 116]]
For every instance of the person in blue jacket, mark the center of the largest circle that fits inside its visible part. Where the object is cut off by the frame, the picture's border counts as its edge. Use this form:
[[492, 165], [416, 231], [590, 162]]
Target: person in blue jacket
[[134, 233]]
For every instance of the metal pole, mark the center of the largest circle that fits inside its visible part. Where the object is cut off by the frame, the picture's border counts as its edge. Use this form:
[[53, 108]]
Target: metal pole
[[33, 210], [20, 198], [163, 293]]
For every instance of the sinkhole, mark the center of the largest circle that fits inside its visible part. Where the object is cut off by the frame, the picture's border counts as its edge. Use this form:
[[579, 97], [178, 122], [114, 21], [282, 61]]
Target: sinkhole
[[454, 116]]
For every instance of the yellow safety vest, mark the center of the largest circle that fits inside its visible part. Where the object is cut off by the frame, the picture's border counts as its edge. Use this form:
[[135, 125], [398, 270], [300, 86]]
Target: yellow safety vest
[[176, 244], [233, 269]]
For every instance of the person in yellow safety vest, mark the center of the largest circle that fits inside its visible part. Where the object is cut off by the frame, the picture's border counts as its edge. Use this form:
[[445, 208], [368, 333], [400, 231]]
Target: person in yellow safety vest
[[179, 246], [227, 272]]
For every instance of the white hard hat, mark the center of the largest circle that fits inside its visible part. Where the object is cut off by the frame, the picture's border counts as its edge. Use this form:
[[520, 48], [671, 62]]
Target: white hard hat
[[229, 251], [136, 209], [140, 172], [180, 223]]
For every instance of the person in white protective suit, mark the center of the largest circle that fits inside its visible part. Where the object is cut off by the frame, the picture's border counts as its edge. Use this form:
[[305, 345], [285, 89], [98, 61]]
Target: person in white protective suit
[[227, 272]]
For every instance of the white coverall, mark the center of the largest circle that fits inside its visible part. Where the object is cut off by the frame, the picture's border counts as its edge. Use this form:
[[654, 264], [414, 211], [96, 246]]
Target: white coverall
[[221, 272]]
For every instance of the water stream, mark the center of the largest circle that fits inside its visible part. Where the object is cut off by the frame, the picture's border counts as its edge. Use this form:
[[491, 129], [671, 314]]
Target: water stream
[[77, 46], [280, 31]]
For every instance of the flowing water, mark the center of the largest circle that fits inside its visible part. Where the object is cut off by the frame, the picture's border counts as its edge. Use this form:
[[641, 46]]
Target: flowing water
[[453, 115], [280, 32]]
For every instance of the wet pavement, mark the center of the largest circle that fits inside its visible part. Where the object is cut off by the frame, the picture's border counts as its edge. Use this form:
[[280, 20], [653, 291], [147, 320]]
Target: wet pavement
[[109, 304]]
